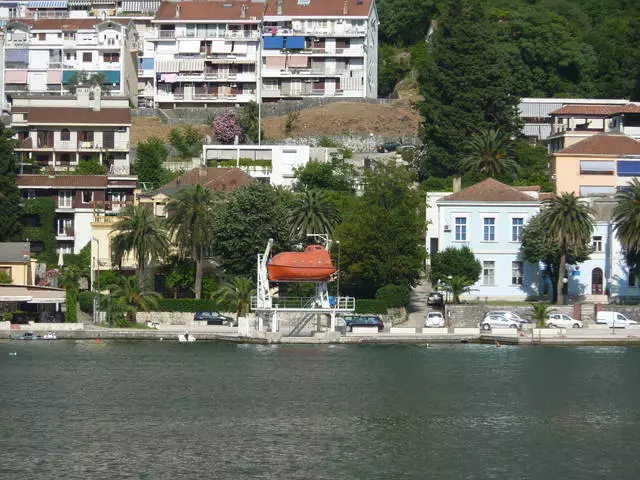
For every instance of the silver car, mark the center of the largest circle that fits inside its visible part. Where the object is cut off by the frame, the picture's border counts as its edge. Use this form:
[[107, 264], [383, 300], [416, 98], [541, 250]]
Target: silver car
[[498, 321]]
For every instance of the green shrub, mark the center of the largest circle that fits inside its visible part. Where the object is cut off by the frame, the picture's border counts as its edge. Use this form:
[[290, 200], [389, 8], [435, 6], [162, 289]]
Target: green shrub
[[85, 301], [186, 305], [394, 296], [371, 306]]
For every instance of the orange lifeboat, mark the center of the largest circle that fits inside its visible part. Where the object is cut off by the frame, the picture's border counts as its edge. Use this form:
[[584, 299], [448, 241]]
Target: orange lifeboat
[[312, 265]]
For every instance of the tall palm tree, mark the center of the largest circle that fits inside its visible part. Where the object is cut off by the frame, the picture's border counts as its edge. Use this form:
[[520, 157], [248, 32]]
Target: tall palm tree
[[313, 212], [569, 222], [488, 154], [128, 297], [626, 223], [141, 232], [237, 292], [191, 222]]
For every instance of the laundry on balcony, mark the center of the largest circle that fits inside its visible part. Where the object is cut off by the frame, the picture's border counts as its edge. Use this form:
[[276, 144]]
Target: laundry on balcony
[[169, 77]]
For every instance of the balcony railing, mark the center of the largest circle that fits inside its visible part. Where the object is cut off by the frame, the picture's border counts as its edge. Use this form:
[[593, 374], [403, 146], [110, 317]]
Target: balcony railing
[[167, 34]]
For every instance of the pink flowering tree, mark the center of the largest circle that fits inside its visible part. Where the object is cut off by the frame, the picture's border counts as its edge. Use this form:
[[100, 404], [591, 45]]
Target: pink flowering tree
[[226, 126]]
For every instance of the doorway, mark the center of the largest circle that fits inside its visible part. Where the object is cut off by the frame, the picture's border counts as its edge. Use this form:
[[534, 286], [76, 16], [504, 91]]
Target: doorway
[[596, 281]]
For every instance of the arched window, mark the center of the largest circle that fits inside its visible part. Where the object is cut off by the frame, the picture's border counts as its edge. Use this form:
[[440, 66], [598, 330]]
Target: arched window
[[65, 135]]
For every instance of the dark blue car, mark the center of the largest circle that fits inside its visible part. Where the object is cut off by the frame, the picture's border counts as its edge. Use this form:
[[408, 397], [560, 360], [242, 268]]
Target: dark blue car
[[363, 321]]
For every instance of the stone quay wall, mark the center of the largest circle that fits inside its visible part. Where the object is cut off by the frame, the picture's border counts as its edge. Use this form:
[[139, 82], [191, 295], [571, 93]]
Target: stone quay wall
[[468, 316]]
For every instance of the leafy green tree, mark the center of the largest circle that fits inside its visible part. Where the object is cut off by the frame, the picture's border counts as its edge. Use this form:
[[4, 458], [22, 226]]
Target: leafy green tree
[[390, 69], [314, 212], [5, 278], [249, 121], [127, 297], [541, 312], [394, 296], [149, 165], [466, 85], [533, 165], [404, 22], [336, 175], [70, 277], [381, 233], [84, 79], [90, 167], [626, 221], [236, 293], [179, 274], [488, 154], [140, 232], [456, 268], [559, 235], [191, 224], [187, 141], [10, 200], [252, 214]]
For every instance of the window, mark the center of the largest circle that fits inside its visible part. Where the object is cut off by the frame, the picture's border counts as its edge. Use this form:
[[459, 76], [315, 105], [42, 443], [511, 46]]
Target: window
[[118, 201], [64, 227], [87, 57], [42, 37], [516, 273], [517, 224], [461, 229], [489, 234], [489, 273], [596, 243], [65, 199], [69, 35], [70, 55], [112, 57], [65, 135], [87, 196], [30, 194]]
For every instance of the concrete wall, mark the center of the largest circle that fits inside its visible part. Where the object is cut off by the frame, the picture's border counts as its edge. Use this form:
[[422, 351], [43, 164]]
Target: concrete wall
[[43, 326], [468, 316]]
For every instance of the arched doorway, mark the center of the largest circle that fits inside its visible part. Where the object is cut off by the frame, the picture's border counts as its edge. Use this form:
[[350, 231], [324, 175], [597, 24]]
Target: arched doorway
[[596, 281]]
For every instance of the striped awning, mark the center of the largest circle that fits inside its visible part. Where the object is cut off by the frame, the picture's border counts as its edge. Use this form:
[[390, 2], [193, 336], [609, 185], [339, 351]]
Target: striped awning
[[79, 3], [167, 66], [191, 65], [140, 5], [47, 4]]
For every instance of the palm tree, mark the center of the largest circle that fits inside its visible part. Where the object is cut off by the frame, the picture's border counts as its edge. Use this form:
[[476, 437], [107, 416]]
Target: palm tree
[[313, 212], [541, 312], [488, 154], [626, 221], [128, 297], [569, 222], [191, 222], [237, 292], [140, 232]]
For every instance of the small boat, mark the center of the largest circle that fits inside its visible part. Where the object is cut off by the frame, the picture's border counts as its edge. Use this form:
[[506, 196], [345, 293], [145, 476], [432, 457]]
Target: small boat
[[312, 265], [49, 336], [186, 337]]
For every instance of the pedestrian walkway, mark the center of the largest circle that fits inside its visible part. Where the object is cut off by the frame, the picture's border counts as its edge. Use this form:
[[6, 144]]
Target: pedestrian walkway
[[418, 306]]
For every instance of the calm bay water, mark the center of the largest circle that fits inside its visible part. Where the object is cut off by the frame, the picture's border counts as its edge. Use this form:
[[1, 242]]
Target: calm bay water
[[78, 410]]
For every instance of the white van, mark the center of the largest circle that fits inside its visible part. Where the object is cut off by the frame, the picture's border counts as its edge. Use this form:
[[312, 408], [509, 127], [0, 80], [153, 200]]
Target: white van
[[614, 320]]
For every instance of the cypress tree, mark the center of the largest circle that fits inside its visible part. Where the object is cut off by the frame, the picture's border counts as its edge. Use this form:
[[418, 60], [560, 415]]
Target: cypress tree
[[10, 208]]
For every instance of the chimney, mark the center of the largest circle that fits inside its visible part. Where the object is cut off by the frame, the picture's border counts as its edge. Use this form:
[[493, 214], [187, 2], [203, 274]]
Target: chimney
[[243, 11], [457, 184], [279, 7], [345, 7], [178, 8], [97, 99]]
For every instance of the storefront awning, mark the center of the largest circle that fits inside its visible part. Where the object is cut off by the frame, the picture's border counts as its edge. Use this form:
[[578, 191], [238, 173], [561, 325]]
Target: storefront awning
[[47, 4]]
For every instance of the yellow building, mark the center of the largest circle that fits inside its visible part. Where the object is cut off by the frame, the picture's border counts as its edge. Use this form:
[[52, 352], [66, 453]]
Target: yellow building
[[16, 263]]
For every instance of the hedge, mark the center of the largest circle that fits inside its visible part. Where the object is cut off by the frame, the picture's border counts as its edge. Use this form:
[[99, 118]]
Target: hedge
[[185, 305], [85, 300], [369, 305]]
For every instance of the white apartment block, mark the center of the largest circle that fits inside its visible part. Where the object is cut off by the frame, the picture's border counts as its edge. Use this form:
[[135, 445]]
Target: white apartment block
[[41, 56], [57, 132], [319, 48]]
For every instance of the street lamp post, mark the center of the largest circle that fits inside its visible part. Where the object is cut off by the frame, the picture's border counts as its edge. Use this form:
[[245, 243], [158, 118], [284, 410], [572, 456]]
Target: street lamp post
[[338, 281]]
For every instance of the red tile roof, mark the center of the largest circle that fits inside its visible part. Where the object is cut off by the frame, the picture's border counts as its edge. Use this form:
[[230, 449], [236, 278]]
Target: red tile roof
[[489, 190], [211, 10], [604, 144], [597, 110], [528, 188], [214, 178], [321, 8], [60, 181], [75, 116]]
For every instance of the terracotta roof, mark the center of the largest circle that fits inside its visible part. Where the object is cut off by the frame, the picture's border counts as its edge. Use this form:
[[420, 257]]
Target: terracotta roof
[[604, 144], [546, 195], [14, 252], [211, 10], [321, 8], [214, 178], [85, 181], [596, 110], [489, 190], [68, 24], [70, 115], [531, 188]]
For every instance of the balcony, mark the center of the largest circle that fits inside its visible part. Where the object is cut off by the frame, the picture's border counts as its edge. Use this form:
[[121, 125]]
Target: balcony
[[167, 34], [231, 34], [89, 145]]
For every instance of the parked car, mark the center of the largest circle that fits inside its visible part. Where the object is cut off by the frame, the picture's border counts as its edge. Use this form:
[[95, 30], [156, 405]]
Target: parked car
[[614, 320], [212, 318], [363, 321], [435, 299], [498, 321], [508, 315], [562, 321], [434, 319], [388, 147]]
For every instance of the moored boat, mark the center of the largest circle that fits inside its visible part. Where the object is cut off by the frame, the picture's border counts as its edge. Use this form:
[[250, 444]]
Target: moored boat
[[312, 265]]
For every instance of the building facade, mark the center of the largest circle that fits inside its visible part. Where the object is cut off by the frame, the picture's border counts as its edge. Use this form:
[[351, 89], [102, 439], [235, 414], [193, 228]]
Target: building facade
[[56, 133], [46, 56]]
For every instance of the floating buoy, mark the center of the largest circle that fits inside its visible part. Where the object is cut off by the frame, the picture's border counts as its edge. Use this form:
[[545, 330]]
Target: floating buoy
[[498, 344], [98, 340], [13, 354]]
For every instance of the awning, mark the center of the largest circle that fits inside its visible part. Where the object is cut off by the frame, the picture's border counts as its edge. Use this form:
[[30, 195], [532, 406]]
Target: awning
[[298, 61], [189, 46], [16, 56], [191, 65], [47, 4], [167, 66], [220, 46], [15, 76], [140, 5], [273, 43], [628, 168], [296, 43], [79, 3], [146, 63]]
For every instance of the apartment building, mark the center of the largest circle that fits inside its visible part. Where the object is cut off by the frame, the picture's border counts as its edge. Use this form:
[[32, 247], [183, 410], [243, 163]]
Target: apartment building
[[77, 198], [319, 48], [56, 133], [43, 56], [203, 53]]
